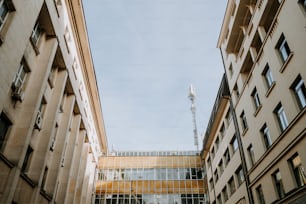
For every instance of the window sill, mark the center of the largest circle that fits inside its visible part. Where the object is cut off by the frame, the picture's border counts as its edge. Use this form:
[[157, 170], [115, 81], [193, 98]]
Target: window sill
[[270, 89], [28, 179], [286, 63], [257, 110], [245, 131]]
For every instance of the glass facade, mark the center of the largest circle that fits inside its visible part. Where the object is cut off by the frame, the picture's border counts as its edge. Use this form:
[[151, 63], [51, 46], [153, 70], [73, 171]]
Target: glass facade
[[150, 178]]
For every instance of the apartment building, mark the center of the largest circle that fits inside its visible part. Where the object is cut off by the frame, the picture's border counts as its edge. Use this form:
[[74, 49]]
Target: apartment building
[[221, 153], [262, 43], [172, 177], [51, 125]]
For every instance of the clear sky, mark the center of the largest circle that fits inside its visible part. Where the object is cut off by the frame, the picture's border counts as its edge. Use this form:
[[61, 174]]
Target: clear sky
[[146, 53]]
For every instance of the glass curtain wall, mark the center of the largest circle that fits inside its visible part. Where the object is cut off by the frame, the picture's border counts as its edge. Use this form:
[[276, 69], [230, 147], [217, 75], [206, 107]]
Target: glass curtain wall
[[156, 178]]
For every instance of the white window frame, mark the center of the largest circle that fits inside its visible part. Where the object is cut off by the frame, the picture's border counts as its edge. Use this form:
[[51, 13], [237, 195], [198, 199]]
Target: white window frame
[[281, 117], [4, 12], [244, 122], [268, 76], [251, 154], [299, 90], [266, 136], [283, 48], [36, 33], [256, 99]]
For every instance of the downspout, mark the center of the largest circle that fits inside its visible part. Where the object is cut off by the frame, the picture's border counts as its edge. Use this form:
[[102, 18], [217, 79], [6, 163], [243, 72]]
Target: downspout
[[240, 146]]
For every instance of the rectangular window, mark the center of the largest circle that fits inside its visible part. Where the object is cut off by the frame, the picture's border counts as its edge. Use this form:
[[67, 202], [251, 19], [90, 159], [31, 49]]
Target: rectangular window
[[260, 195], [213, 153], [228, 117], [217, 142], [219, 199], [211, 183], [234, 144], [278, 183], [303, 4], [268, 76], [225, 194], [231, 184], [27, 160], [227, 157], [283, 48], [20, 76], [243, 119], [255, 98], [239, 175], [266, 136], [43, 182], [36, 33], [236, 91], [251, 154], [5, 124], [281, 116], [216, 176], [298, 87], [220, 165], [222, 131], [4, 10], [298, 170]]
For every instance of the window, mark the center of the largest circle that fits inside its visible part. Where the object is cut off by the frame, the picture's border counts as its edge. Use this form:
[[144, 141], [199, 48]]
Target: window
[[236, 91], [212, 153], [208, 162], [43, 182], [225, 194], [217, 142], [230, 70], [303, 4], [298, 170], [298, 87], [283, 48], [260, 195], [211, 183], [216, 175], [266, 136], [281, 116], [231, 184], [219, 199], [255, 98], [222, 131], [251, 154], [5, 124], [243, 121], [36, 33], [234, 144], [20, 76], [227, 157], [27, 160], [221, 169], [228, 117], [239, 175], [278, 183], [268, 76], [4, 10]]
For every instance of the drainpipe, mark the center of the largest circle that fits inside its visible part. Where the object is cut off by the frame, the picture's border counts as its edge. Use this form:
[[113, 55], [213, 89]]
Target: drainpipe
[[240, 146]]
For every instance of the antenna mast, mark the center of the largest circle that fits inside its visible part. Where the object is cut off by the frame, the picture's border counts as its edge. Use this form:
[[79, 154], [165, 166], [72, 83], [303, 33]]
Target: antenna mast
[[191, 96]]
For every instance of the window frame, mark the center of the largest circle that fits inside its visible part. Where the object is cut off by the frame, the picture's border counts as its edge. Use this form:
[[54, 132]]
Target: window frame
[[27, 159], [251, 154], [244, 123], [232, 185], [266, 136], [267, 74], [256, 99], [281, 116], [5, 125], [234, 143], [3, 7], [278, 184], [240, 176], [298, 170], [260, 195], [303, 4], [283, 48], [299, 90]]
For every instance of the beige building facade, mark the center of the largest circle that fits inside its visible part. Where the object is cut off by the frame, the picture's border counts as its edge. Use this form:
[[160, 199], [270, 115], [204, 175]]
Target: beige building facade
[[51, 125], [262, 44]]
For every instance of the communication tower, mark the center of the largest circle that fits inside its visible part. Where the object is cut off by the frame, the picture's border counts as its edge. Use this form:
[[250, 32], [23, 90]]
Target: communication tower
[[191, 96]]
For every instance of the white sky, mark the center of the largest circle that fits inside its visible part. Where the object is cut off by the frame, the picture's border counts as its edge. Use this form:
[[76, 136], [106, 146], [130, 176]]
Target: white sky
[[146, 53]]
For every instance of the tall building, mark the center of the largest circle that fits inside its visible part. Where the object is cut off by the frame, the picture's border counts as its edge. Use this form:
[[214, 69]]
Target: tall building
[[262, 44], [151, 178], [51, 125], [221, 153]]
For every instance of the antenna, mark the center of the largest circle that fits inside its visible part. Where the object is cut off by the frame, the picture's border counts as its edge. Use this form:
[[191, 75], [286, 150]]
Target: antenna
[[191, 96]]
